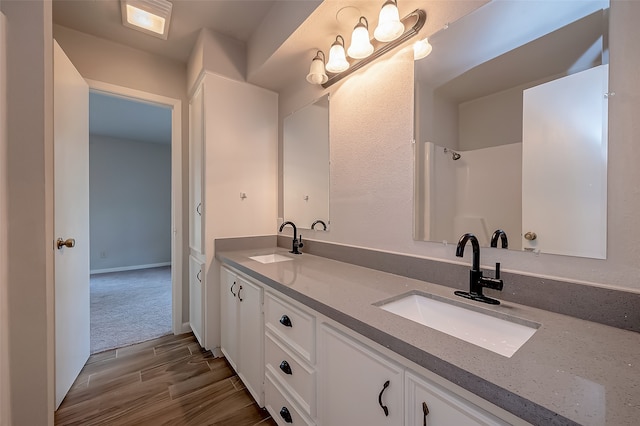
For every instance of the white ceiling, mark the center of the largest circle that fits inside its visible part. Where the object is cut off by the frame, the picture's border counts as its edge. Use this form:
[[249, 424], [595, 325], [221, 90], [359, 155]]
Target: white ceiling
[[102, 18]]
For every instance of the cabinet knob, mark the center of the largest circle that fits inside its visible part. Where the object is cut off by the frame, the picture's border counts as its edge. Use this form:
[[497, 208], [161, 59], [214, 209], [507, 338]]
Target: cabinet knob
[[384, 407], [285, 367], [284, 320], [425, 412], [286, 415]]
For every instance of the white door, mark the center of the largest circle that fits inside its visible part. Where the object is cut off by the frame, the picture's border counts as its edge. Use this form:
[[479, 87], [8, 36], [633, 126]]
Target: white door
[[251, 338], [564, 165], [71, 221]]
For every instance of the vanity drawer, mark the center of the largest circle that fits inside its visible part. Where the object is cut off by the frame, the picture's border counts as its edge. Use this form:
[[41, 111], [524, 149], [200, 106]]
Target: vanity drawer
[[292, 325], [281, 408], [296, 376]]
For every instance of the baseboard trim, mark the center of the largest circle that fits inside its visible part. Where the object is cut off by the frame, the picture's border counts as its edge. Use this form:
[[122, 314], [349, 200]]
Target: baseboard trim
[[186, 328], [129, 268]]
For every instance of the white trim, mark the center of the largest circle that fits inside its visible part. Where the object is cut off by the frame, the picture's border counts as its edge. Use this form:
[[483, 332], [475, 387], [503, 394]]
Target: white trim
[[186, 328], [129, 268], [176, 184]]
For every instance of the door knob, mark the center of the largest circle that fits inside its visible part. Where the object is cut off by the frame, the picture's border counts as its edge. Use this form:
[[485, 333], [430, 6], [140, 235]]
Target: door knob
[[69, 242], [530, 236]]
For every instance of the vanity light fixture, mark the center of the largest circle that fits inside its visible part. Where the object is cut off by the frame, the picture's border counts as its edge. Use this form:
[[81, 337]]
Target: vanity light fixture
[[148, 16], [389, 25], [316, 71], [338, 65], [337, 58], [421, 49], [361, 46]]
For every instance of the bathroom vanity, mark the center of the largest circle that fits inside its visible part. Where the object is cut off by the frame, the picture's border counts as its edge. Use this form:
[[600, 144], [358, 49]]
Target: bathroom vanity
[[314, 346]]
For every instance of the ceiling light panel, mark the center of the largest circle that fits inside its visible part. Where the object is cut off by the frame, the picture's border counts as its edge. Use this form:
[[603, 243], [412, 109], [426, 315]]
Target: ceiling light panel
[[151, 17]]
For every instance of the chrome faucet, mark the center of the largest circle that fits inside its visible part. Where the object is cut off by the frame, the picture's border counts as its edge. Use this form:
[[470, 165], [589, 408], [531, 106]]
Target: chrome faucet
[[324, 225], [476, 281], [297, 243], [503, 236]]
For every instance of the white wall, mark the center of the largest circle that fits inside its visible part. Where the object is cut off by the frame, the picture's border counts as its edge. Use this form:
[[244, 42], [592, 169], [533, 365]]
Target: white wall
[[5, 400], [130, 203], [372, 201], [30, 210]]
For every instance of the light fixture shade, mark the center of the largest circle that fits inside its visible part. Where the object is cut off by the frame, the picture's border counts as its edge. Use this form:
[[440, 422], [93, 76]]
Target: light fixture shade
[[316, 71], [337, 58], [151, 17], [389, 26], [361, 46], [421, 49]]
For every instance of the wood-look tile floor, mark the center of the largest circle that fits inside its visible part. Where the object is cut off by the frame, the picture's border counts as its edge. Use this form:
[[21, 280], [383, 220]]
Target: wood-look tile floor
[[165, 381]]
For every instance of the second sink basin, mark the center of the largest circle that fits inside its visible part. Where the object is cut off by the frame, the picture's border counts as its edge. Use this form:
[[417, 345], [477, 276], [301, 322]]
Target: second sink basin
[[270, 258], [499, 333]]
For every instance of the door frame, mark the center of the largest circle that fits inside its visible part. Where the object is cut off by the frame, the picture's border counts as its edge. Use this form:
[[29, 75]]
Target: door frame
[[177, 251]]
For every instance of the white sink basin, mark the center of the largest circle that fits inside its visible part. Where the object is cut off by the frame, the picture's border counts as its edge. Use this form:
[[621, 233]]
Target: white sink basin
[[270, 258], [502, 335]]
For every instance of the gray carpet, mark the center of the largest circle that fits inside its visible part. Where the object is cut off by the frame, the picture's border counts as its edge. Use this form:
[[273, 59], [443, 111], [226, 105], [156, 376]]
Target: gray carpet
[[129, 307]]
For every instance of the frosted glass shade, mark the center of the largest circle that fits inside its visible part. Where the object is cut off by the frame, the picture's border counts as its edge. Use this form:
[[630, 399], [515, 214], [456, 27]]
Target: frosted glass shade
[[389, 26], [421, 49], [361, 46], [316, 71], [337, 58]]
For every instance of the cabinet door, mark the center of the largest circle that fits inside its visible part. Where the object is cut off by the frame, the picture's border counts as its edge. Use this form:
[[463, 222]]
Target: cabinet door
[[443, 408], [229, 316], [356, 384], [196, 297], [196, 155], [251, 338]]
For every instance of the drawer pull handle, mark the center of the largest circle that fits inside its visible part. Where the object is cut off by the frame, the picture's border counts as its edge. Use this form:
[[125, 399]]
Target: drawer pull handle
[[285, 367], [286, 415], [284, 320], [239, 290], [384, 407], [231, 289], [425, 411], [199, 209], [198, 275]]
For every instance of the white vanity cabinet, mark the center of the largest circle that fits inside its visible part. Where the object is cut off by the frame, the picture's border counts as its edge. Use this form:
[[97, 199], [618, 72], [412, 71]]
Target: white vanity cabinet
[[196, 272], [290, 342], [356, 385], [243, 330], [429, 403], [318, 372]]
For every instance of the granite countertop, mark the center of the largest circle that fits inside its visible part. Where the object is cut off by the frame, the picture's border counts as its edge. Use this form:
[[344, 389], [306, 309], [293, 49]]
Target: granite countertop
[[570, 371]]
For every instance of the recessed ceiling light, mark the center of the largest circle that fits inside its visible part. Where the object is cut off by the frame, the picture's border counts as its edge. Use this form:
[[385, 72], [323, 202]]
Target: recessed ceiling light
[[148, 16]]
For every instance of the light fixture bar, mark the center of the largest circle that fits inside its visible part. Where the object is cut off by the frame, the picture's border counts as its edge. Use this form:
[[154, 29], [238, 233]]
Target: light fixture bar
[[420, 17]]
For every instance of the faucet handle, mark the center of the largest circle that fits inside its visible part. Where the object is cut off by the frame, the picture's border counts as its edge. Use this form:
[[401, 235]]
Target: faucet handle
[[300, 244], [497, 270]]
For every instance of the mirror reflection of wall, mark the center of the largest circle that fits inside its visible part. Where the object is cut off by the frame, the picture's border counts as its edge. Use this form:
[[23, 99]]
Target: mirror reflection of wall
[[306, 165], [469, 127]]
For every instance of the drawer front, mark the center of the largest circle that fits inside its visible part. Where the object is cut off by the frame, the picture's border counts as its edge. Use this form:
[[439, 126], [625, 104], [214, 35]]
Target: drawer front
[[283, 411], [293, 326], [296, 376]]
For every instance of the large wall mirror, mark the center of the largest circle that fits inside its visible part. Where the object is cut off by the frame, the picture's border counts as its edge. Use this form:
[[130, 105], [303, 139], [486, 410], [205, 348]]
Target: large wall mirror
[[511, 128], [306, 166]]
